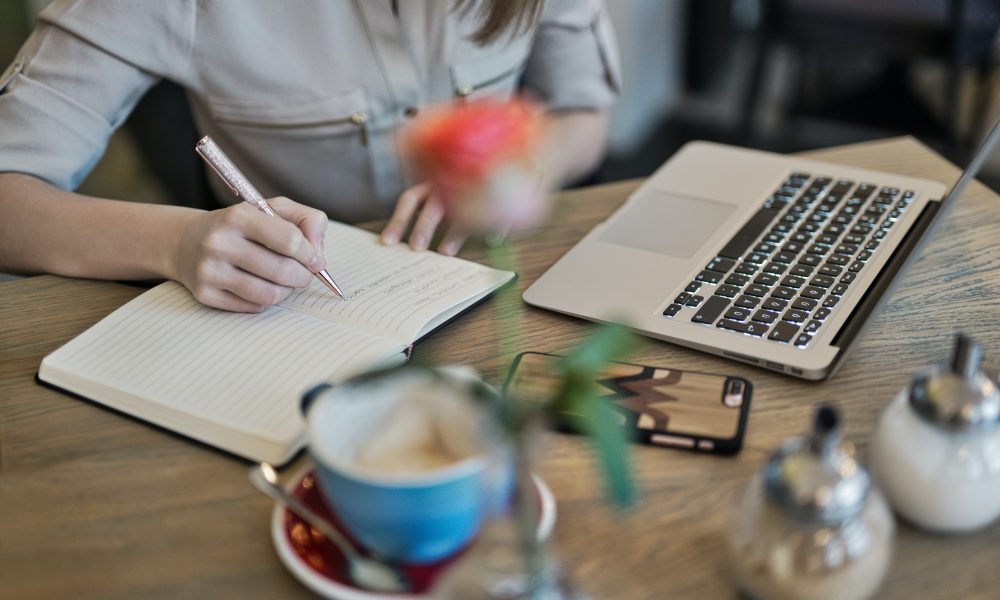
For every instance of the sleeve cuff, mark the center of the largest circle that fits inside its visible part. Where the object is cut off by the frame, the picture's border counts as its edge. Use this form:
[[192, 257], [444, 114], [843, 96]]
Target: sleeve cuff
[[575, 65], [34, 115]]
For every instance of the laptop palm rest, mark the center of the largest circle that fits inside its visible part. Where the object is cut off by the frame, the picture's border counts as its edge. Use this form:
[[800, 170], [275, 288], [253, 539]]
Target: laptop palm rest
[[668, 223]]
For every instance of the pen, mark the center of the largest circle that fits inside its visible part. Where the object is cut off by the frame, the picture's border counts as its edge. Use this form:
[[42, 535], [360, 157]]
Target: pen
[[241, 186]]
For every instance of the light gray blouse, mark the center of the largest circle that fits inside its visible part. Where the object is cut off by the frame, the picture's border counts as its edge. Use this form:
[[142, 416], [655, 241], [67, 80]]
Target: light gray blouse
[[306, 97]]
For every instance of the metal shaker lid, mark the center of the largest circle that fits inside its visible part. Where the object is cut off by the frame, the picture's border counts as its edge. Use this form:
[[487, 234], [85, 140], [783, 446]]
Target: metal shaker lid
[[958, 396], [816, 478]]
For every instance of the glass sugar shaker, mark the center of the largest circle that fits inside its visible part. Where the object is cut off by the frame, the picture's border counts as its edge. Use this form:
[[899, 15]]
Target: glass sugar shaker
[[936, 449], [812, 524]]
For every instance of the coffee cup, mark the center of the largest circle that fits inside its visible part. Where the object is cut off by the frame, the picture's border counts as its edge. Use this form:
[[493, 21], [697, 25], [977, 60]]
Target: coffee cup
[[409, 459]]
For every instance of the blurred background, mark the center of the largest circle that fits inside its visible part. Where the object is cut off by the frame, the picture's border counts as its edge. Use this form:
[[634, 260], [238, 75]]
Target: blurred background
[[781, 75]]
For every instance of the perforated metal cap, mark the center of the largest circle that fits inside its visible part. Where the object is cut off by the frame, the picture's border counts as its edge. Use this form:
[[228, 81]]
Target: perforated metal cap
[[958, 396], [816, 478]]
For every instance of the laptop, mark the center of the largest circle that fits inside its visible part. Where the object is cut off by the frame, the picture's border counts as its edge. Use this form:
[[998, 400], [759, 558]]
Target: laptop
[[763, 258]]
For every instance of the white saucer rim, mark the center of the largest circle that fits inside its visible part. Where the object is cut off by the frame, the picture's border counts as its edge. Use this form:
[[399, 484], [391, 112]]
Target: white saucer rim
[[328, 588]]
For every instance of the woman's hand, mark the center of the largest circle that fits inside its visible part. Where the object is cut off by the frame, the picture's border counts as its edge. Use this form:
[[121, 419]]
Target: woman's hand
[[421, 207], [241, 259]]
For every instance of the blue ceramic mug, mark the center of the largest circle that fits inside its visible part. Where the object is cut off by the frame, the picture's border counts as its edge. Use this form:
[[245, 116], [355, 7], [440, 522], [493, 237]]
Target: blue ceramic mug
[[416, 516]]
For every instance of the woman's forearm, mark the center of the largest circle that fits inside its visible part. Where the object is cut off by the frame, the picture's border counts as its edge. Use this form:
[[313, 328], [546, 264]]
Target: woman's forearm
[[574, 145], [47, 230]]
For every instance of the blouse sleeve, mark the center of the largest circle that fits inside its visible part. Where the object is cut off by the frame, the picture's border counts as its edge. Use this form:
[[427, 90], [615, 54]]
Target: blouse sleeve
[[574, 61], [66, 92]]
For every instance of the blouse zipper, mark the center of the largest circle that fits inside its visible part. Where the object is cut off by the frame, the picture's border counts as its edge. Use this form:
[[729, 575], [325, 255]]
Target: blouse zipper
[[360, 119], [467, 90]]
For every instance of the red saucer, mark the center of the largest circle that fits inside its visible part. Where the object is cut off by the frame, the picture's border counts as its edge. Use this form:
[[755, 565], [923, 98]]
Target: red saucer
[[319, 564]]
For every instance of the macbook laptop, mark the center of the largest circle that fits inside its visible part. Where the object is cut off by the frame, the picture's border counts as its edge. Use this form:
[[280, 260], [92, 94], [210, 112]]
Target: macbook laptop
[[768, 259]]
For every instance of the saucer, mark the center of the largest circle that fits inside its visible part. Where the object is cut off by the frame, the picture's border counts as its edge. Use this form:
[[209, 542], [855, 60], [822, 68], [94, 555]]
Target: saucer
[[319, 564]]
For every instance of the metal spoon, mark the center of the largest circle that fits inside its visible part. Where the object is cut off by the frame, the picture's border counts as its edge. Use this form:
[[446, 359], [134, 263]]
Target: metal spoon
[[366, 572]]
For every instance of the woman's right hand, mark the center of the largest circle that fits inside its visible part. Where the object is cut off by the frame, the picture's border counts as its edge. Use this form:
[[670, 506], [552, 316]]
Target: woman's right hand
[[241, 259]]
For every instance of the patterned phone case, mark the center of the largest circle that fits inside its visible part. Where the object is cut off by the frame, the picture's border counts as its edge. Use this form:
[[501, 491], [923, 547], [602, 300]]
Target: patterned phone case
[[695, 411]]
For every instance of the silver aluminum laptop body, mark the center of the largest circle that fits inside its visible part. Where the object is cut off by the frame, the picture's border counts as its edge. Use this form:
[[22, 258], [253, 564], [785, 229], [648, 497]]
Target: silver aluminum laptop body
[[632, 267]]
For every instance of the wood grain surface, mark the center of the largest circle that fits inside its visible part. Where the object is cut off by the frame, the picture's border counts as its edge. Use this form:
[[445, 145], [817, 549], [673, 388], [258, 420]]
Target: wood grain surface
[[94, 504]]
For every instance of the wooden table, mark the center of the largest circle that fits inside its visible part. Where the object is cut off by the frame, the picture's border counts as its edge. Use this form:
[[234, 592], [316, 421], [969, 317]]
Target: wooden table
[[93, 504]]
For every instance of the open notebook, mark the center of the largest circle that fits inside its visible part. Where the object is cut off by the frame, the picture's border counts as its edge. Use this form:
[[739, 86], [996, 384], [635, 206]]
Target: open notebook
[[235, 380]]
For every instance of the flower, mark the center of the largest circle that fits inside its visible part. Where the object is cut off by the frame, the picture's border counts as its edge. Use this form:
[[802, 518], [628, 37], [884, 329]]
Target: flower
[[480, 158]]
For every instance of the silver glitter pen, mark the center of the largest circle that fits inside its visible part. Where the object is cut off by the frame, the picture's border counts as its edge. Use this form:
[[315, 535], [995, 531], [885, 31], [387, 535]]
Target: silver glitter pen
[[241, 186]]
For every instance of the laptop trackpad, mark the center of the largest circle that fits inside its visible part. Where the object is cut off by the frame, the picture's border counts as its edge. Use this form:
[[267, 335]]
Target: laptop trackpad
[[667, 223]]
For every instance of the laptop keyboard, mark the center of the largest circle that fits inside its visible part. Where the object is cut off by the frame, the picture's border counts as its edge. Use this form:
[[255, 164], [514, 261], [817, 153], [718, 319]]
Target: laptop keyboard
[[783, 273]]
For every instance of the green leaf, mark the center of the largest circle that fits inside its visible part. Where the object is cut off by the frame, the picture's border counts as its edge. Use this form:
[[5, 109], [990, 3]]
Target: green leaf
[[598, 417]]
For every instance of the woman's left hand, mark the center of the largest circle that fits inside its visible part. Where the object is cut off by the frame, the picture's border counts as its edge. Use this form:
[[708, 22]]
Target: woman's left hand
[[421, 207]]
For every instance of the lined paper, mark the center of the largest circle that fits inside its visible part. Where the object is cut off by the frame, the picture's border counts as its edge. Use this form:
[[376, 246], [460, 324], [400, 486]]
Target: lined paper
[[235, 380], [242, 371], [392, 290]]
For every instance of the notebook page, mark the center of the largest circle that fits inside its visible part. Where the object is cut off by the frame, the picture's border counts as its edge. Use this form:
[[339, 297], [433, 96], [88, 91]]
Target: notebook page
[[240, 371], [392, 290]]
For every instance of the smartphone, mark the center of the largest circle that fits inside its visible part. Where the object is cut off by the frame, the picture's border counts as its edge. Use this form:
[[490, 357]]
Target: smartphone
[[663, 407]]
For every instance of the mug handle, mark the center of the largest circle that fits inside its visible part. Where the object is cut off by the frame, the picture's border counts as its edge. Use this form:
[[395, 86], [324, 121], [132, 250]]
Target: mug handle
[[310, 396]]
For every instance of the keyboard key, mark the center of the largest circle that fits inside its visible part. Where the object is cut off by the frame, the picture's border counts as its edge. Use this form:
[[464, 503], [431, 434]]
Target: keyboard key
[[803, 340], [804, 304], [756, 290], [747, 268], [750, 327], [792, 281], [812, 327], [801, 270], [729, 291], [838, 260], [672, 310], [822, 314], [848, 249], [881, 233], [737, 279], [864, 255], [783, 332], [765, 316], [812, 292], [775, 304], [694, 301], [707, 276], [693, 287], [745, 301], [826, 239], [830, 270], [793, 247], [833, 229], [737, 314], [767, 279], [823, 281], [818, 250], [784, 257], [776, 268], [794, 316], [756, 258], [720, 265], [710, 310], [856, 266], [831, 301], [853, 238], [765, 248], [801, 236], [784, 293], [811, 259], [839, 290], [682, 298], [848, 277], [750, 231]]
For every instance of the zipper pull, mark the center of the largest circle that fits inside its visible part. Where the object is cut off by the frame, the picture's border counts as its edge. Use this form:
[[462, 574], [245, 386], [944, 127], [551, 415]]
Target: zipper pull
[[361, 120]]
